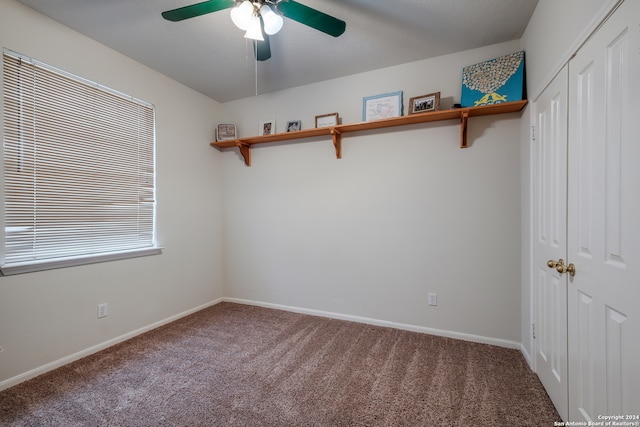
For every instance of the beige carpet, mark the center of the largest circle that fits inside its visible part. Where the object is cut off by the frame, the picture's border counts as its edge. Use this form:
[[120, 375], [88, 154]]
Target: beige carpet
[[238, 365]]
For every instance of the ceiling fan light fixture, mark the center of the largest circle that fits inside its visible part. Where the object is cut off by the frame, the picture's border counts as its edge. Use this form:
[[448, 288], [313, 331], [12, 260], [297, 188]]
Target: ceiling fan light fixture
[[241, 15], [261, 18], [272, 21], [255, 29]]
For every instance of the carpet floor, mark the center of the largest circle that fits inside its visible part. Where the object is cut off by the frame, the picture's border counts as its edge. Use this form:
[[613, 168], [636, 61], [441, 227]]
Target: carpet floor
[[239, 365]]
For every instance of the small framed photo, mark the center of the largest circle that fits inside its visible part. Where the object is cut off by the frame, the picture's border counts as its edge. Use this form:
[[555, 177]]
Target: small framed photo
[[382, 106], [294, 125], [326, 120], [267, 127], [424, 103], [225, 132]]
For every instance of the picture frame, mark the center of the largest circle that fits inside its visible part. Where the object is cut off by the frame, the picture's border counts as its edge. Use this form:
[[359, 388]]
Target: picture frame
[[267, 127], [327, 120], [225, 132], [383, 106], [294, 125], [424, 103], [494, 81]]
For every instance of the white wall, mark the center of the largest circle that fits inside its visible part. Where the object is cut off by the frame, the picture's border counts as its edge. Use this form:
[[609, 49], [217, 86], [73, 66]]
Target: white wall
[[405, 212], [48, 316], [554, 33]]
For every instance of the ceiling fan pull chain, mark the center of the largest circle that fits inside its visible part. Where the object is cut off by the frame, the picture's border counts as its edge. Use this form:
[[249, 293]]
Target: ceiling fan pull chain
[[256, 68]]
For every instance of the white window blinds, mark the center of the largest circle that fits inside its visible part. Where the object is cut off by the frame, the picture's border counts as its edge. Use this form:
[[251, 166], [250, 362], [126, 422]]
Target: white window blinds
[[79, 167]]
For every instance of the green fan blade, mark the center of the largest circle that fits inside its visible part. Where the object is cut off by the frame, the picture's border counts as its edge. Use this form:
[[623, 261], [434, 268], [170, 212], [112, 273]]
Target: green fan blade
[[312, 18], [262, 48], [197, 9]]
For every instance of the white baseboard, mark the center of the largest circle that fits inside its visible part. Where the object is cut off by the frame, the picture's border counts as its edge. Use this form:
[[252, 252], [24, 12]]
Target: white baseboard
[[413, 328], [527, 357], [96, 348], [422, 329]]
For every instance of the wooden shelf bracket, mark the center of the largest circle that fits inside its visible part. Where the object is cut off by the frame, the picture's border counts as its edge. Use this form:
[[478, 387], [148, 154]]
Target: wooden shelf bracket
[[245, 151], [336, 136], [463, 129]]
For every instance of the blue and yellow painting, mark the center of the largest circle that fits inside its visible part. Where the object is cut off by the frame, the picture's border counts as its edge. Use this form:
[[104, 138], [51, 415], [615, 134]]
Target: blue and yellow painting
[[494, 81]]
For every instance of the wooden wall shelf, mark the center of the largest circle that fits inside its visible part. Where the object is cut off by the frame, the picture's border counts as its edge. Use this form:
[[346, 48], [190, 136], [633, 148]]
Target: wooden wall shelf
[[244, 144]]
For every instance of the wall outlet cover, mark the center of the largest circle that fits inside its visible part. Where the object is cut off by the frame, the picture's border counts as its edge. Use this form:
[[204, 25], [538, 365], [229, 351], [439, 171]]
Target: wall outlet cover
[[102, 310], [433, 299]]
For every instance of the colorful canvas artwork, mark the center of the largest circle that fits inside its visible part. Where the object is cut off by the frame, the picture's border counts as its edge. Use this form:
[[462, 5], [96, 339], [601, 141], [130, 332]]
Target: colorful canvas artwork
[[494, 81]]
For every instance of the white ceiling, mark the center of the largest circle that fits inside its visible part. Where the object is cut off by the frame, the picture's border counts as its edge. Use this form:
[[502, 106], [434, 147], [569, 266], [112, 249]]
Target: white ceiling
[[210, 55]]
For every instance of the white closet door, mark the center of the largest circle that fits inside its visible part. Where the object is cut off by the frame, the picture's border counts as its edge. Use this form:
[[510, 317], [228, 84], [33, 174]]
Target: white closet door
[[549, 142], [604, 221]]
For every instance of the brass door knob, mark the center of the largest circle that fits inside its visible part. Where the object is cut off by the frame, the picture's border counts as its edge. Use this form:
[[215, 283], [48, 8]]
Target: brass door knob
[[562, 268], [571, 268]]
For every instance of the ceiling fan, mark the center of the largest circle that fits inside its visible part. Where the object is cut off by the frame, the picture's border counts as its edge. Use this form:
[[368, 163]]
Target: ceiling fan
[[259, 20]]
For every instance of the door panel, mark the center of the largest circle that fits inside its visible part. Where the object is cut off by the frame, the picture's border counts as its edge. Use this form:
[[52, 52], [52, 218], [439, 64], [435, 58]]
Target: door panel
[[550, 184], [603, 221]]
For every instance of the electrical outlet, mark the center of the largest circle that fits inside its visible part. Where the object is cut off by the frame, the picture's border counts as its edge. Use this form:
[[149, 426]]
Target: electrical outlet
[[102, 310], [433, 299]]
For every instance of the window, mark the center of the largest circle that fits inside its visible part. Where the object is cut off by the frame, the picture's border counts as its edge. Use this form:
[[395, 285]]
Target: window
[[79, 170]]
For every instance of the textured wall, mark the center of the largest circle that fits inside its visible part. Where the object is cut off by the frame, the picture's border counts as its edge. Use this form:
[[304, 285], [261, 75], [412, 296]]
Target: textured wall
[[405, 212]]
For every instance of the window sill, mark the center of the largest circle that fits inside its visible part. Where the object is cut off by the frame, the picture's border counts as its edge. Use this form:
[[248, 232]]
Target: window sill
[[28, 267]]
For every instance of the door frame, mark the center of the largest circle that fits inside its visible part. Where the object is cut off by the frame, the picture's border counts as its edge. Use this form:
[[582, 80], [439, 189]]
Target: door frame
[[607, 8], [528, 322]]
